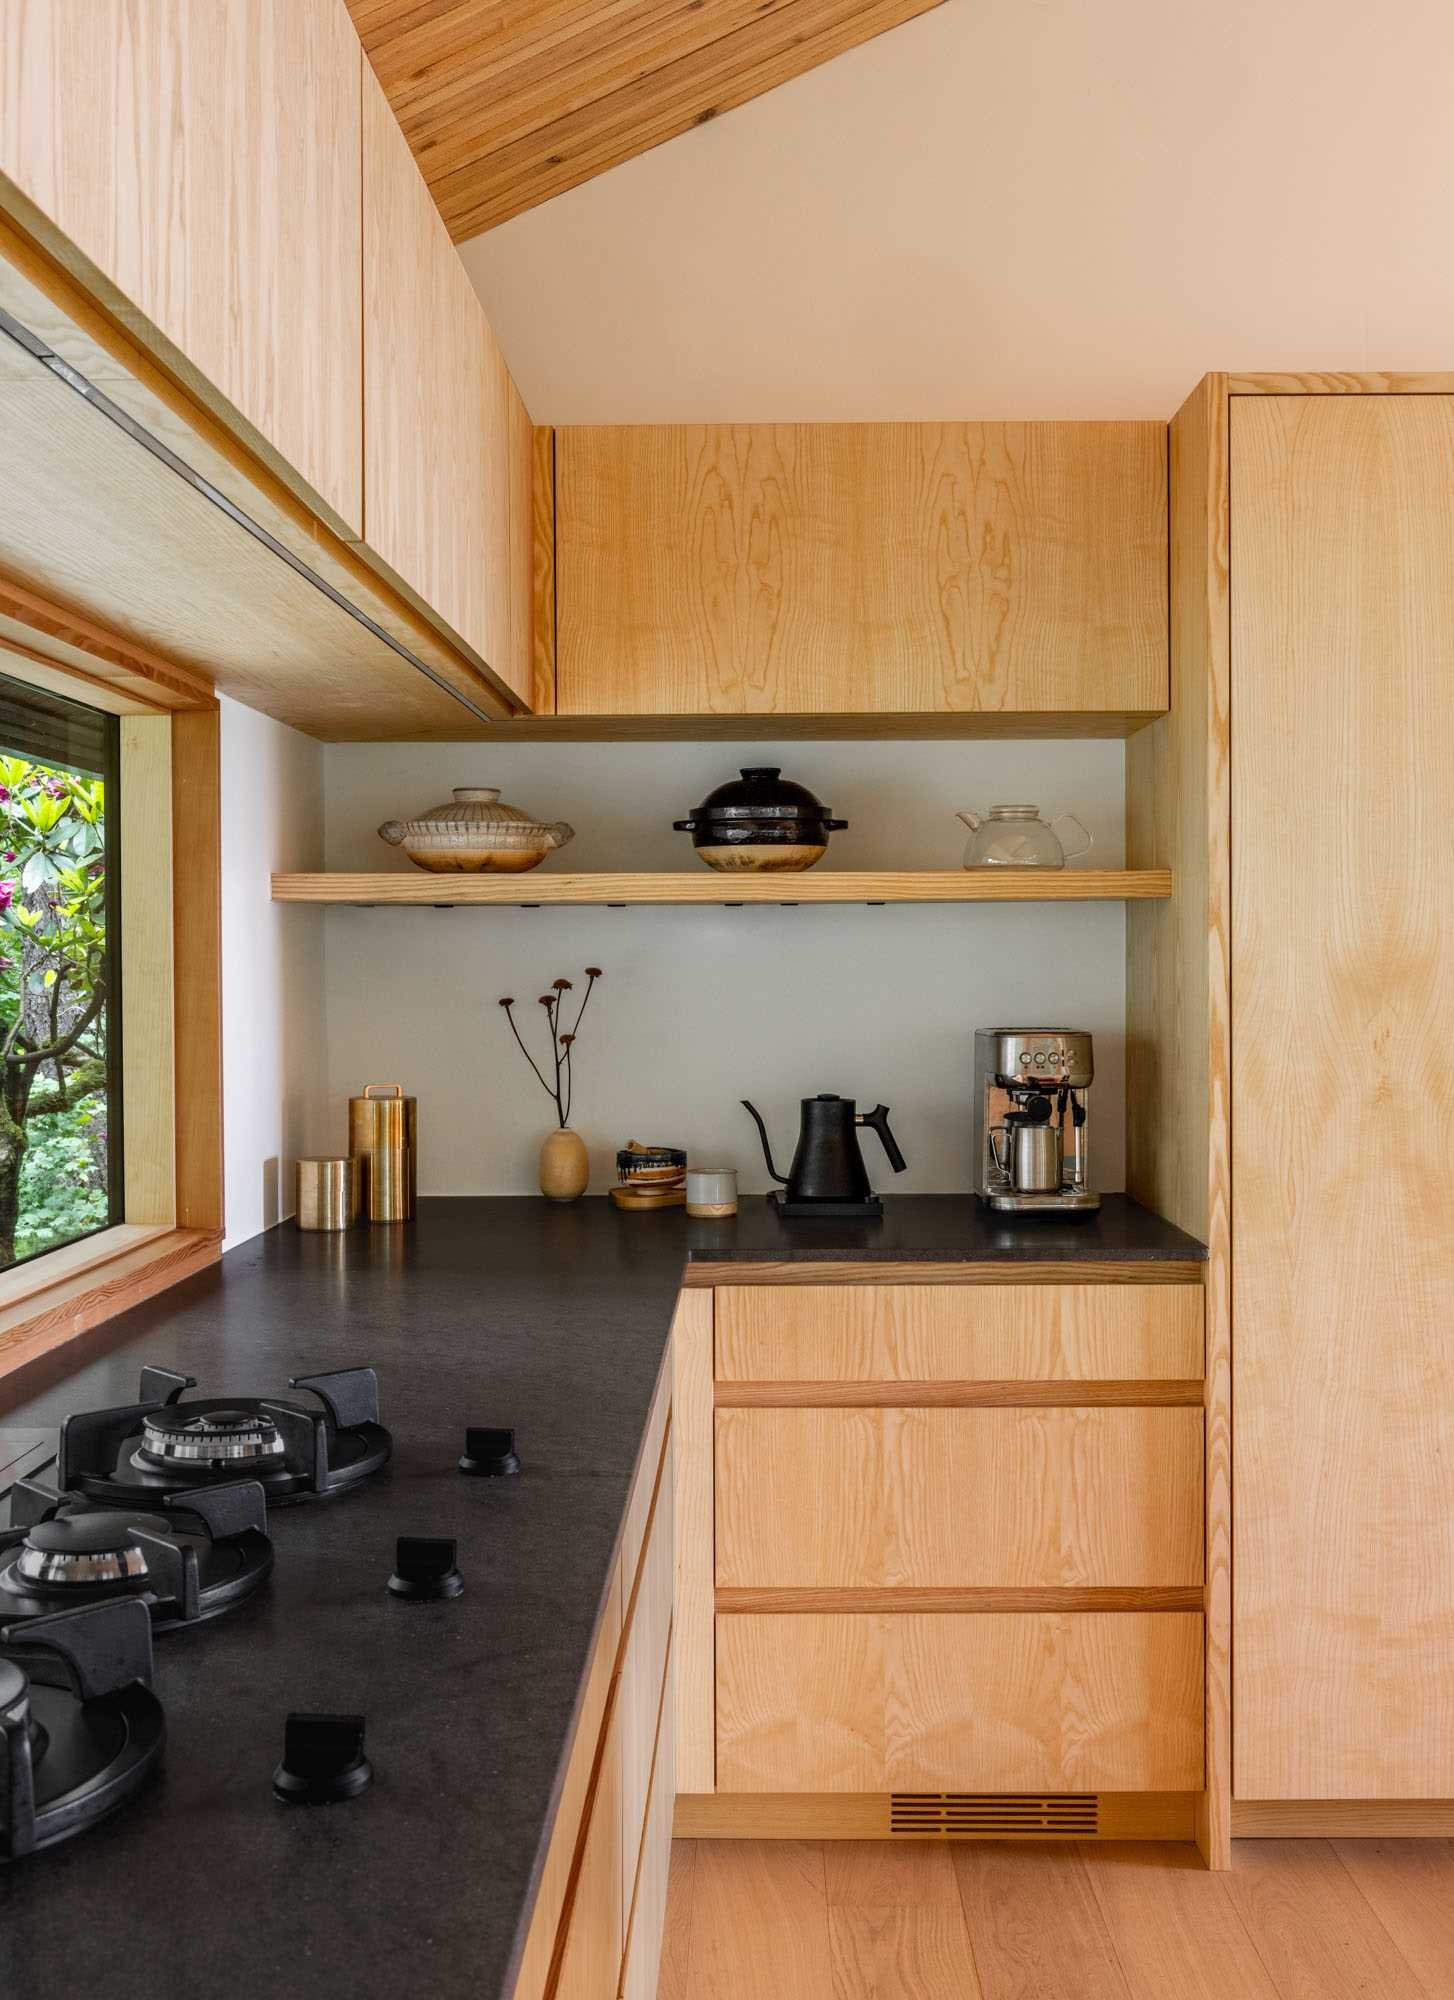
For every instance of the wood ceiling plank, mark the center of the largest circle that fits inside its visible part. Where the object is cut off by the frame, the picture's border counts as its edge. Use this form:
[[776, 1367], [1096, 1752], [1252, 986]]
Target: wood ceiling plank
[[506, 106], [589, 70], [430, 85], [659, 107]]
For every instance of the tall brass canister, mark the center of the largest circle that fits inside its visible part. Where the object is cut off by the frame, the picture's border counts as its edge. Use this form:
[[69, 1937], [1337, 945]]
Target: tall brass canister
[[383, 1132]]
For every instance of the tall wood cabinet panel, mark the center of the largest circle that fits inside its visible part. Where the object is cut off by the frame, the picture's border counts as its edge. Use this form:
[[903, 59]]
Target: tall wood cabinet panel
[[199, 167], [871, 568], [1342, 648], [449, 453]]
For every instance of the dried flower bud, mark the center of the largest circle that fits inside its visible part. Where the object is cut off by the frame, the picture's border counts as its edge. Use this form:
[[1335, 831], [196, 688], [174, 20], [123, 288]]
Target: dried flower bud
[[561, 985], [507, 1003], [593, 972], [567, 1039], [547, 1000]]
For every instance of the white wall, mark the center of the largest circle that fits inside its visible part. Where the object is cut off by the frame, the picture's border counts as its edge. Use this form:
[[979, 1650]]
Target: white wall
[[1061, 208], [272, 966], [702, 1007]]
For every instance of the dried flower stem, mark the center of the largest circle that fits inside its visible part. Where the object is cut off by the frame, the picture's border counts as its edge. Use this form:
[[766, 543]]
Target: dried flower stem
[[561, 1041]]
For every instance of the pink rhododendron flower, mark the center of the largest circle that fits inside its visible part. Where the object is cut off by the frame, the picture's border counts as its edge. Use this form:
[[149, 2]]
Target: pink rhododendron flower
[[7, 895]]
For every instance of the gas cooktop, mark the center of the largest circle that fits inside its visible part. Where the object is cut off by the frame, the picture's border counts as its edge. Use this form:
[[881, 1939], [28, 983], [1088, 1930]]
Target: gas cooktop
[[80, 1728], [164, 1444], [208, 1551]]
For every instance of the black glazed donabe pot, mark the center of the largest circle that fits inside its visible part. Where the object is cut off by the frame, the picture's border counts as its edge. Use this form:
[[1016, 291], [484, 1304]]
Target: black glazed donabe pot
[[760, 822]]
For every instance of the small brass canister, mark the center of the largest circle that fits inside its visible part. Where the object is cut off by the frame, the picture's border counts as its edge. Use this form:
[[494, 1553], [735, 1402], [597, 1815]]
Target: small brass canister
[[383, 1133], [328, 1193]]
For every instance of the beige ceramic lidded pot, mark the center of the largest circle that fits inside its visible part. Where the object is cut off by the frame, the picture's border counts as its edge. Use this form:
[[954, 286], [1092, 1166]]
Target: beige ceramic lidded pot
[[476, 833]]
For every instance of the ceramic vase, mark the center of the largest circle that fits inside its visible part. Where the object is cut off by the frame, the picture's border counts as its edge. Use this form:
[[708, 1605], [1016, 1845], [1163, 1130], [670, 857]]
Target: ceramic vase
[[564, 1168]]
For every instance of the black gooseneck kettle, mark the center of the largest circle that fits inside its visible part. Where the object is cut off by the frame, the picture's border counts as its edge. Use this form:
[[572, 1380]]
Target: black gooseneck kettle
[[828, 1176]]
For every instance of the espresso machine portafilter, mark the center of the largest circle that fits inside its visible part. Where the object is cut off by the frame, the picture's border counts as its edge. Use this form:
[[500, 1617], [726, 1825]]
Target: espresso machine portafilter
[[1031, 1136]]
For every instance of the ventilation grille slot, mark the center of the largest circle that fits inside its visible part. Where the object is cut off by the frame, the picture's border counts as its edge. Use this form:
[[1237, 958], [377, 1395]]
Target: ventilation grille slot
[[994, 1815]]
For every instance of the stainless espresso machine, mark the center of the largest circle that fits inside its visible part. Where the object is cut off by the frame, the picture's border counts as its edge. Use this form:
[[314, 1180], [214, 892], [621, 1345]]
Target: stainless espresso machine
[[1030, 1120]]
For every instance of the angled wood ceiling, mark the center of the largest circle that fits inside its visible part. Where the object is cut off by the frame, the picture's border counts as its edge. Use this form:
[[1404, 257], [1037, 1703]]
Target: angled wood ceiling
[[508, 102]]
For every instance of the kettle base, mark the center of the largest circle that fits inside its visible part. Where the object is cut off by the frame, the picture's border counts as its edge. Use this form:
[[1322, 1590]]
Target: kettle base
[[845, 1211]]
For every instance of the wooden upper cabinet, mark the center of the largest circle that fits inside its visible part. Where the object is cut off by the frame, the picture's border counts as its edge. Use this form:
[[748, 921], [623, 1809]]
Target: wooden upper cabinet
[[448, 462], [861, 568], [197, 168]]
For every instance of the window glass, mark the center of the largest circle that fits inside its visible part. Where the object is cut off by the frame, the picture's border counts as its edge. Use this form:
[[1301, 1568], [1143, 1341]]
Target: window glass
[[60, 1098]]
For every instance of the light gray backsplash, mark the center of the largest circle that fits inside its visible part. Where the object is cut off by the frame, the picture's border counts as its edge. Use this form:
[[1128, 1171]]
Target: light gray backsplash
[[701, 1007]]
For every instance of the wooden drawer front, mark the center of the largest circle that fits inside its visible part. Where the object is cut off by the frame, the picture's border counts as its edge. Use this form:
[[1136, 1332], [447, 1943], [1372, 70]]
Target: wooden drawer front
[[954, 1333], [944, 1498], [1014, 1702]]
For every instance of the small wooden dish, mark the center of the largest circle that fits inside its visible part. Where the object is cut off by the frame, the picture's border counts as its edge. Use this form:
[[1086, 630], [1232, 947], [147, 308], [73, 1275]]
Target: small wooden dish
[[639, 1197]]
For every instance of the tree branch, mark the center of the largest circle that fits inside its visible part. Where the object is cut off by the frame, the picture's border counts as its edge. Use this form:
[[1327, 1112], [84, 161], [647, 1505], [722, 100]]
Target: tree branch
[[82, 1081]]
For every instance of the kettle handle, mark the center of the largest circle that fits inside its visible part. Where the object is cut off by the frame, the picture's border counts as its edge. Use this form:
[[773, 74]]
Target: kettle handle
[[782, 1179], [1062, 819], [878, 1118]]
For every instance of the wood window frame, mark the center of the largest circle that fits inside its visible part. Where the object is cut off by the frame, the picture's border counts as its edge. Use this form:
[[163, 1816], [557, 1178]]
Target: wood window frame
[[171, 975]]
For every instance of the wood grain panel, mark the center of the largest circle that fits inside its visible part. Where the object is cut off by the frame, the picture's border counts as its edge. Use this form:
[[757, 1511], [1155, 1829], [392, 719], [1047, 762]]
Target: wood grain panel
[[1346, 382], [1342, 615], [867, 1816], [202, 162], [780, 1602], [197, 968], [147, 1017], [957, 1333], [829, 567], [646, 1916], [589, 1966], [542, 1936], [958, 1498], [106, 1283], [1078, 885], [543, 553], [703, 1270], [642, 1500], [955, 1395], [1178, 1019], [643, 1676], [693, 1639], [931, 1703], [448, 462], [117, 552], [1343, 1819], [505, 110]]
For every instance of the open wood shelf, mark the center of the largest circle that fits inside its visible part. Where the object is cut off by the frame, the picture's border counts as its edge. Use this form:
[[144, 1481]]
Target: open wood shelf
[[950, 885]]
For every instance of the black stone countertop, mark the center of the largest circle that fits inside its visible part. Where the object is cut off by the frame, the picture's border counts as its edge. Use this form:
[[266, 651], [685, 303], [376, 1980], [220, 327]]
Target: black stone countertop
[[482, 1311]]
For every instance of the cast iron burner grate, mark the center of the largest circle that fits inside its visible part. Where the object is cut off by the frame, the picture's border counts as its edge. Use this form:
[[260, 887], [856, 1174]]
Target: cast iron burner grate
[[80, 1728], [162, 1445], [207, 1552]]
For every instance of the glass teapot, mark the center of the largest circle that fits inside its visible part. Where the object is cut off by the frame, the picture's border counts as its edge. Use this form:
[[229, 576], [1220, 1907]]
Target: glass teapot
[[1017, 837]]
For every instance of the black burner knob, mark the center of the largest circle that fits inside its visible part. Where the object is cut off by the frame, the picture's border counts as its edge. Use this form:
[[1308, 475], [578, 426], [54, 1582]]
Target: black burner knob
[[490, 1454], [323, 1760], [424, 1567]]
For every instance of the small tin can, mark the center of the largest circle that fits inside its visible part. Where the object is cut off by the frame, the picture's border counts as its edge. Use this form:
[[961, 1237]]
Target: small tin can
[[328, 1193]]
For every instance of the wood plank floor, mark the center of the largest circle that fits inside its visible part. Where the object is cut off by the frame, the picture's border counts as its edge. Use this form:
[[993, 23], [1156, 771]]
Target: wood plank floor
[[974, 1920]]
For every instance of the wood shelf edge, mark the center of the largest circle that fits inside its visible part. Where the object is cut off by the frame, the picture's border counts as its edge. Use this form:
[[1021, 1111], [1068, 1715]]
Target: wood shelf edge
[[950, 885]]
